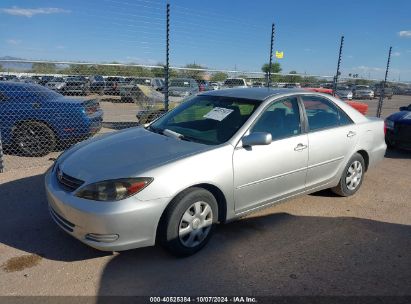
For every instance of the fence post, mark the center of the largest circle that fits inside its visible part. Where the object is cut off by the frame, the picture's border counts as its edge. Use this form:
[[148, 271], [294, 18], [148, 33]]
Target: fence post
[[166, 69], [1, 156], [338, 66], [271, 55], [382, 94]]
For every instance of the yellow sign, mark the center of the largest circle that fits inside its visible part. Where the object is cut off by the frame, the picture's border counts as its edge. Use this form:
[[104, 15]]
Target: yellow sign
[[279, 55]]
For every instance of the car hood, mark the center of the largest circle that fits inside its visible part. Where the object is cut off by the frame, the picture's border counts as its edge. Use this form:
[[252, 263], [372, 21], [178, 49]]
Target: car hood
[[124, 154], [402, 116]]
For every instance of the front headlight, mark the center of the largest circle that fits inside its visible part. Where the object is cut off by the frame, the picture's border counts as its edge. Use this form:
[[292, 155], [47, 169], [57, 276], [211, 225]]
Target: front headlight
[[114, 190]]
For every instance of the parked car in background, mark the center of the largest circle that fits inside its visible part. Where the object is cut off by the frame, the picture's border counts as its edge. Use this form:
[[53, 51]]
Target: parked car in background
[[214, 85], [97, 84], [144, 95], [212, 159], [344, 92], [36, 120], [359, 106], [398, 128], [388, 91], [363, 92], [75, 85], [183, 87], [204, 85], [113, 84], [292, 85], [56, 84], [158, 84], [44, 79], [10, 78], [235, 83]]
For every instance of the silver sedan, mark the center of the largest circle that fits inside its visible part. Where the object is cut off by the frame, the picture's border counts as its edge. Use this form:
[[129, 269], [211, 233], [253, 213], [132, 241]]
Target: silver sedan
[[216, 157]]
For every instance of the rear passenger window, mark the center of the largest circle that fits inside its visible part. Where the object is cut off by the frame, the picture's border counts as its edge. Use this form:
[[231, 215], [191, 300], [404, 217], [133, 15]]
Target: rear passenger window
[[322, 114], [281, 119]]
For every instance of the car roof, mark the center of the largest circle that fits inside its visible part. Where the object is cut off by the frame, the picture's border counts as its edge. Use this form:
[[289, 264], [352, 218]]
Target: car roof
[[18, 85], [252, 93]]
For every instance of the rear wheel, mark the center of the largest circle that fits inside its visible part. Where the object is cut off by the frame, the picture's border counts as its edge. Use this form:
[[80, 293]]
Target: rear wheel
[[352, 177], [34, 139], [188, 222]]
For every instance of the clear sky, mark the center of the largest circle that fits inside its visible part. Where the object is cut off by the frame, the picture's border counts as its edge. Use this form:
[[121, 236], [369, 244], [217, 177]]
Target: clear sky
[[224, 34]]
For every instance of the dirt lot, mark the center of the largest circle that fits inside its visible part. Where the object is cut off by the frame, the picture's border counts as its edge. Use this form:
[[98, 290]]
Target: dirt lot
[[316, 244]]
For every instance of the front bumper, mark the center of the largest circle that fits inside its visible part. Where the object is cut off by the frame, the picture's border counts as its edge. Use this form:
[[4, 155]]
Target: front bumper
[[109, 226]]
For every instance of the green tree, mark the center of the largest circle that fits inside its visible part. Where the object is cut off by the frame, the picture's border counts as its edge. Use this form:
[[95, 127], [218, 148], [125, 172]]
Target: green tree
[[43, 68], [1, 68], [275, 68], [292, 78], [195, 74], [219, 76]]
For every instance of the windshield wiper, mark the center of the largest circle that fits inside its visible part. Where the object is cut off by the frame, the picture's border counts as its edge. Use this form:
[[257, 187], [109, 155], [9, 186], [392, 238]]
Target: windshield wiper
[[171, 133]]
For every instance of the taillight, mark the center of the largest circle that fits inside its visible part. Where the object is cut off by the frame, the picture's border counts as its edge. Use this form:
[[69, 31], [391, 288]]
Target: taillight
[[385, 127]]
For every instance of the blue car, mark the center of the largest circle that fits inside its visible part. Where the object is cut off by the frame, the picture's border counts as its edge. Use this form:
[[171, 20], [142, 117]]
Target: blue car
[[35, 120], [398, 128]]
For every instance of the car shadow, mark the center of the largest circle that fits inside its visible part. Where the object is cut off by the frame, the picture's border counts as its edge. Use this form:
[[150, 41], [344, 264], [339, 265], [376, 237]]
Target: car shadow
[[25, 223], [275, 254], [398, 153]]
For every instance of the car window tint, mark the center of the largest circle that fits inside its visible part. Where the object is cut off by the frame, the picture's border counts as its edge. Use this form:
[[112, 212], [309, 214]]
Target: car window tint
[[281, 119], [322, 114]]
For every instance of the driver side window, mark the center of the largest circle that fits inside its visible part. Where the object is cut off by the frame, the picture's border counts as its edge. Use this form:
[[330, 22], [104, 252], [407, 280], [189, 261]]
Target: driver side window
[[281, 119]]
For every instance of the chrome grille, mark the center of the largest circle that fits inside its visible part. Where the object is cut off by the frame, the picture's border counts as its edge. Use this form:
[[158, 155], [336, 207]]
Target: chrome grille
[[67, 182]]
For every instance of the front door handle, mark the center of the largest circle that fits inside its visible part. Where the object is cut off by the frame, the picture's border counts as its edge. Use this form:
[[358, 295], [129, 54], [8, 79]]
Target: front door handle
[[351, 134], [300, 147]]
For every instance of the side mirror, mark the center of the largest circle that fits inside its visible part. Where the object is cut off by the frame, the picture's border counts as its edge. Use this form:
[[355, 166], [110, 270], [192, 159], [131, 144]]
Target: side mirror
[[257, 139]]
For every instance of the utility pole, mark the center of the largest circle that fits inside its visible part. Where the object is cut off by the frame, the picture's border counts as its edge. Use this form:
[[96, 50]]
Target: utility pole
[[382, 94], [271, 55], [338, 66], [166, 69]]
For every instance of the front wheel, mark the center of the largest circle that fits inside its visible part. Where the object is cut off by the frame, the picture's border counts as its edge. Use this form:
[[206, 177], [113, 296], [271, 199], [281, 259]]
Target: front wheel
[[352, 177], [188, 223]]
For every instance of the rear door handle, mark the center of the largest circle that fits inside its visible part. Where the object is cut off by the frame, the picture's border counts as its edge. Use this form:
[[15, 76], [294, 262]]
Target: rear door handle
[[300, 147], [351, 134]]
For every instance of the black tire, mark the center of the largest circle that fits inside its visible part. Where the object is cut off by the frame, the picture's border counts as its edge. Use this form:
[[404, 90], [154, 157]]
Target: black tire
[[34, 138], [343, 188], [172, 221]]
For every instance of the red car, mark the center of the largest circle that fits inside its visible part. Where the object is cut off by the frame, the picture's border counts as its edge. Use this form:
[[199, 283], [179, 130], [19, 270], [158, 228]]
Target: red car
[[359, 106]]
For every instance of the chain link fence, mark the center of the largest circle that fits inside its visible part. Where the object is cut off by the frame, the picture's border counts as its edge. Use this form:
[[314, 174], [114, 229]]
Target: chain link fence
[[46, 107]]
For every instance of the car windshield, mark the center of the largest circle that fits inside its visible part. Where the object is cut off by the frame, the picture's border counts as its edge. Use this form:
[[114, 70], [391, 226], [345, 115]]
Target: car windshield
[[343, 88], [58, 79], [180, 83], [206, 119], [362, 88]]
